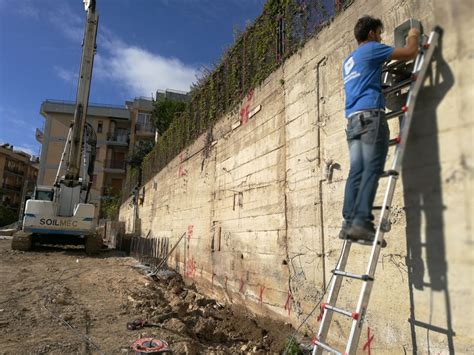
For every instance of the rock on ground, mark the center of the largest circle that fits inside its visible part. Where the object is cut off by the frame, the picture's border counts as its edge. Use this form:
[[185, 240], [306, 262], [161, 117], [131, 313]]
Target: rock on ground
[[60, 301]]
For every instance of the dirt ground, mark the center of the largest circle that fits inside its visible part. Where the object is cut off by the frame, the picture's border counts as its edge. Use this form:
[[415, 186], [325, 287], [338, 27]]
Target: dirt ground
[[60, 301]]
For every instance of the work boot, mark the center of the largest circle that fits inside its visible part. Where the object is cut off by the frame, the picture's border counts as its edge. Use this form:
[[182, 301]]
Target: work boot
[[364, 233], [344, 229]]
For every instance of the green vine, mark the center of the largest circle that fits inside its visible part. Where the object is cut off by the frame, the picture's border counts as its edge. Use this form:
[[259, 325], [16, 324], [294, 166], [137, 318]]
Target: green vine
[[284, 24]]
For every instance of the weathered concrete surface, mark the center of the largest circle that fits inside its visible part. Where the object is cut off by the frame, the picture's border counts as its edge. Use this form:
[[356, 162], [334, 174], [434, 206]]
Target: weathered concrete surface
[[262, 218]]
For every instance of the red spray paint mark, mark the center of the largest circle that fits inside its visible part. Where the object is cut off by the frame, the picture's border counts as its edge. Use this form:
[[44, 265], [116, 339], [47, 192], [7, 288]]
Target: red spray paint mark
[[250, 95], [260, 295], [244, 111], [242, 284], [289, 301], [190, 231], [321, 311], [182, 171], [368, 342], [191, 268]]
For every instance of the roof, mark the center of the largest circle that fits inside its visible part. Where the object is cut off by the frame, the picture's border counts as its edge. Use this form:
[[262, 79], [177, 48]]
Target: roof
[[100, 110]]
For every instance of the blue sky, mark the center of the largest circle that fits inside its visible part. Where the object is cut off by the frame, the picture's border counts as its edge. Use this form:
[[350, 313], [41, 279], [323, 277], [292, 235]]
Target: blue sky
[[143, 45]]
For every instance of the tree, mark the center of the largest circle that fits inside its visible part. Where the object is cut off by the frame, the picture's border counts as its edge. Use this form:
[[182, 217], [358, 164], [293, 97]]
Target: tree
[[165, 111], [110, 205], [7, 216], [142, 148]]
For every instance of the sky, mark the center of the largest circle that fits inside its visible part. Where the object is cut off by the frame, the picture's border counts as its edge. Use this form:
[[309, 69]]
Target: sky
[[142, 46]]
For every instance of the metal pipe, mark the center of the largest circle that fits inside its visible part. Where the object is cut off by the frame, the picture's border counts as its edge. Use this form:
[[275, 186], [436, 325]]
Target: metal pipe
[[318, 160]]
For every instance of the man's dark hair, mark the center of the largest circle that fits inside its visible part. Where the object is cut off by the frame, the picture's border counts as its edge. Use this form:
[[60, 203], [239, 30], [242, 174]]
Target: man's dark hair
[[364, 25]]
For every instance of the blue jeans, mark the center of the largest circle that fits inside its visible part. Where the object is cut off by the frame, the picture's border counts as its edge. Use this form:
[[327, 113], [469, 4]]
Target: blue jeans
[[367, 136]]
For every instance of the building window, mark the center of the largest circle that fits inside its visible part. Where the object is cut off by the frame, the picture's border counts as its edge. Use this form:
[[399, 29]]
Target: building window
[[99, 127], [144, 118], [144, 122]]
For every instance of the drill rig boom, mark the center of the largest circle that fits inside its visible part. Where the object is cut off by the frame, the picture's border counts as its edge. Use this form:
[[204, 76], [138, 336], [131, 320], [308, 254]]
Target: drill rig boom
[[62, 210], [73, 166]]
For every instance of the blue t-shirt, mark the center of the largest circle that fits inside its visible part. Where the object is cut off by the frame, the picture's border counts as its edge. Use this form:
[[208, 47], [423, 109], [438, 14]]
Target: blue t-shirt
[[362, 75]]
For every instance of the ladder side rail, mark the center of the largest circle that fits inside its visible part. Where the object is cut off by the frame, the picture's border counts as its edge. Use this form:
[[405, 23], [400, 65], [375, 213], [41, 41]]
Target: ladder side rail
[[356, 328], [366, 289], [332, 297], [384, 214], [420, 71]]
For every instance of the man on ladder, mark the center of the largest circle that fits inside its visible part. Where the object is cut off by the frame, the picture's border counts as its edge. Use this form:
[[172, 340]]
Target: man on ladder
[[367, 129]]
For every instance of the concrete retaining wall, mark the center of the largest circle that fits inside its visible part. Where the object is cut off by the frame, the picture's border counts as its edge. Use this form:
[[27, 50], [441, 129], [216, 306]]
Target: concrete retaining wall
[[262, 218]]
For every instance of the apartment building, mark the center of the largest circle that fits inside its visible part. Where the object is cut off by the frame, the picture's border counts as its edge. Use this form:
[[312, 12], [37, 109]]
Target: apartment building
[[18, 174], [141, 124], [118, 129], [112, 125], [141, 117]]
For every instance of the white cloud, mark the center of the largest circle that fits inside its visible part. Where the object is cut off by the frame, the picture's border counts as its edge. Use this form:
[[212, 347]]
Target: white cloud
[[67, 75], [25, 8], [13, 118], [29, 11], [58, 13], [67, 21], [138, 70], [141, 71], [28, 149]]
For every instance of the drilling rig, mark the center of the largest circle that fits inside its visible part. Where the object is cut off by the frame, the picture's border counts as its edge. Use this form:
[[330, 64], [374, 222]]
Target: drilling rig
[[61, 214]]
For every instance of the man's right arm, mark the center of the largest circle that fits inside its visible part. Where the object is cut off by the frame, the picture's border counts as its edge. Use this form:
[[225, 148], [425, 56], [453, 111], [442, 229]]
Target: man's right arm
[[410, 50]]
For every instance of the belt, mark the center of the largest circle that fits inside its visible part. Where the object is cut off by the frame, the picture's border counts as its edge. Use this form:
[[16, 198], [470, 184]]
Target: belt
[[365, 113]]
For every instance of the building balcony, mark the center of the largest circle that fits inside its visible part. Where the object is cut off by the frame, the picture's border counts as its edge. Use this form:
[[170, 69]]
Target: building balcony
[[144, 129], [14, 171], [118, 139], [14, 188], [114, 166]]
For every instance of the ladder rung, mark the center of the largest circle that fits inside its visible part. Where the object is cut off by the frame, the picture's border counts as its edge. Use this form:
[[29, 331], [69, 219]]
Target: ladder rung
[[353, 276], [368, 242], [389, 173], [397, 86], [326, 347], [379, 207], [394, 141], [390, 67], [353, 315], [394, 114]]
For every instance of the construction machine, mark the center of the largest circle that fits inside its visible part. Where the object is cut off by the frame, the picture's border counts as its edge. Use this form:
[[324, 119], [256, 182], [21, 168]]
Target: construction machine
[[61, 214]]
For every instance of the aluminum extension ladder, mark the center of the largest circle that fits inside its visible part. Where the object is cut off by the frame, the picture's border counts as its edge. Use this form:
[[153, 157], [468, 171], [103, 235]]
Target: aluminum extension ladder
[[414, 82]]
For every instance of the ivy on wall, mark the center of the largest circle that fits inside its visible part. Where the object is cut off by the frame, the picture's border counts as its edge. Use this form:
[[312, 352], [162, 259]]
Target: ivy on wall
[[283, 27]]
